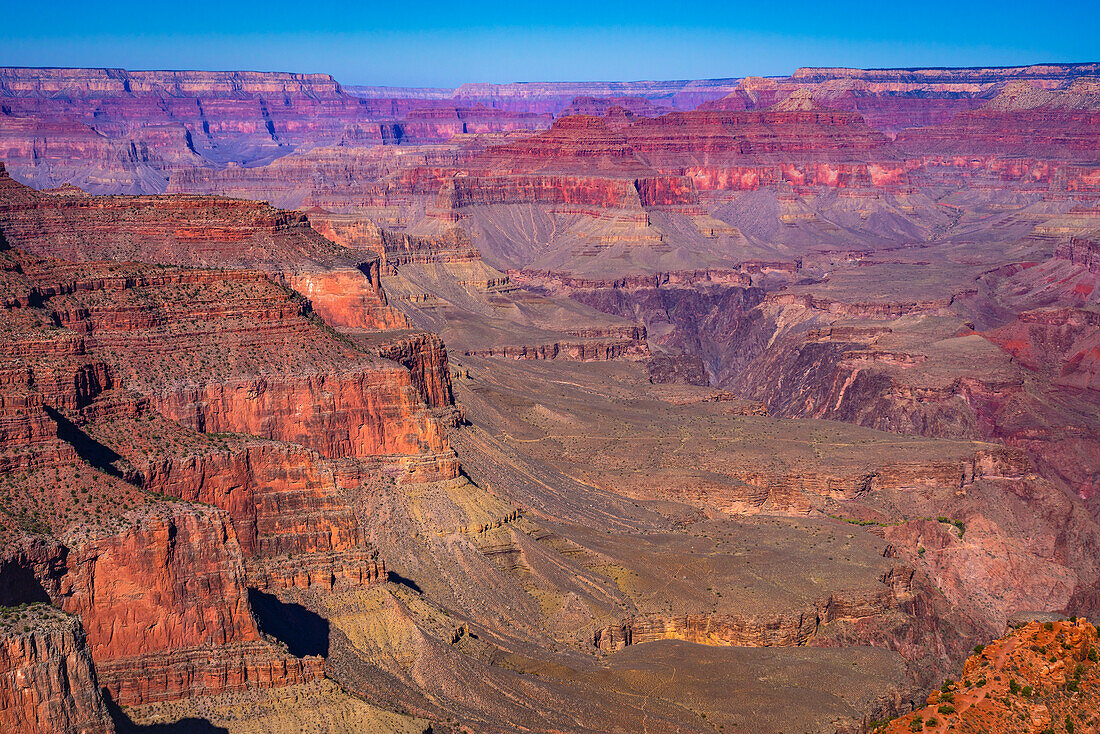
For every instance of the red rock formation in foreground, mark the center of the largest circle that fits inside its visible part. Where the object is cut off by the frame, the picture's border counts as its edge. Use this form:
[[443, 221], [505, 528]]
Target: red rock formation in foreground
[[179, 571], [1042, 677], [47, 681], [266, 369], [161, 586], [284, 501]]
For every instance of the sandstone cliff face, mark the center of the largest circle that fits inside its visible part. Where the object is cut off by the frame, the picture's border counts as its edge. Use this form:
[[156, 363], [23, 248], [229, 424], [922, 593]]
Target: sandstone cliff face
[[155, 571], [47, 681], [161, 590], [777, 630], [592, 345], [293, 526], [425, 356], [348, 298], [361, 413], [180, 572]]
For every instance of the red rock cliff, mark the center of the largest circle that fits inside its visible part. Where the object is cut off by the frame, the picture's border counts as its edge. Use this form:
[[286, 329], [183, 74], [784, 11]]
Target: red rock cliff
[[47, 681]]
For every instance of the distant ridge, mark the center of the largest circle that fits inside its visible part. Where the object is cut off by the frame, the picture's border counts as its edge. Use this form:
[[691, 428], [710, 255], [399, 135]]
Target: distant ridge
[[808, 74]]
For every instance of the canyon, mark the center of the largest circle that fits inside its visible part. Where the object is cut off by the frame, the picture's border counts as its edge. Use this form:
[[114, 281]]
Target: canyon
[[587, 407]]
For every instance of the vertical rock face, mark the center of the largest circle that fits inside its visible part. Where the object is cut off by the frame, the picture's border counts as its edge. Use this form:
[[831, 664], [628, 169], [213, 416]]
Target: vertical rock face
[[360, 413], [293, 527], [346, 297], [47, 681], [166, 608], [426, 359], [180, 569]]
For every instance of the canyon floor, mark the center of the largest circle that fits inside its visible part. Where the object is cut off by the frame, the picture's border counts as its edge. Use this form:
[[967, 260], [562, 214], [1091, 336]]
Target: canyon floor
[[728, 405]]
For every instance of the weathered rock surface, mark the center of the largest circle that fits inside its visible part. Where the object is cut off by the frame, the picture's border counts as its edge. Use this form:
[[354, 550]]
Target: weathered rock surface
[[1039, 677], [47, 680]]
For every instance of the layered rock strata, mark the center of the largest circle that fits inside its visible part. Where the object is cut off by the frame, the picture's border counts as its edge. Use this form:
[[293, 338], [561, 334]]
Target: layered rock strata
[[47, 681]]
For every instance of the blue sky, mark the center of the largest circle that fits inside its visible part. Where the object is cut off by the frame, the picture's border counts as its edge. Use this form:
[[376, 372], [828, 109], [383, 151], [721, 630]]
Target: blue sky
[[446, 43]]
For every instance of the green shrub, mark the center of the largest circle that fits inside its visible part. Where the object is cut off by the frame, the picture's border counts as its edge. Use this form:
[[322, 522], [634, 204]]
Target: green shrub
[[946, 709], [1013, 686], [978, 649], [1048, 626]]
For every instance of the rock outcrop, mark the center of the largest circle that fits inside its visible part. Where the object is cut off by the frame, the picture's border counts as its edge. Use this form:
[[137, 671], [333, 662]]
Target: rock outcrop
[[425, 356], [778, 630], [591, 344], [1040, 677], [180, 572], [161, 587], [201, 232], [47, 681], [293, 526]]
